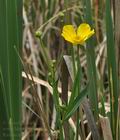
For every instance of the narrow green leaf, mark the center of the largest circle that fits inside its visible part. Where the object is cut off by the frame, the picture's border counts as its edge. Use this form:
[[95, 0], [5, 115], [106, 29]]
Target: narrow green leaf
[[75, 104], [112, 68], [10, 87], [91, 67], [3, 109], [75, 86]]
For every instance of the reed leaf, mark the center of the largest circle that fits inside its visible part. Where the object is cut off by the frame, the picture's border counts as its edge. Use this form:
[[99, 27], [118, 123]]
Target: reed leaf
[[91, 67], [10, 76], [112, 68]]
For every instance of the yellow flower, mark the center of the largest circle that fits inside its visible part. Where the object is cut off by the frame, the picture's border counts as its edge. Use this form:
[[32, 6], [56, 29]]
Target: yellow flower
[[79, 36]]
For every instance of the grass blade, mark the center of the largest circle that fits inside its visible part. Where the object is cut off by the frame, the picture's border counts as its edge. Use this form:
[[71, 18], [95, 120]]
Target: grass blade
[[11, 35], [75, 104], [112, 68], [91, 63]]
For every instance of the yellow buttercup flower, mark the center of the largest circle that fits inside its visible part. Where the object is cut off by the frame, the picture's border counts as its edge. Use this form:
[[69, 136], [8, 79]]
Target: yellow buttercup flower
[[78, 36]]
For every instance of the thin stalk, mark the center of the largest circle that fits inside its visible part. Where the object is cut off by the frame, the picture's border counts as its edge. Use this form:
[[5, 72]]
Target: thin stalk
[[78, 90], [73, 61], [56, 101], [61, 132]]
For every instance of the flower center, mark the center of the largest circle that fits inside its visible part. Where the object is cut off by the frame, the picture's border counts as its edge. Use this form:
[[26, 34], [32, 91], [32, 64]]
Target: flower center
[[77, 37]]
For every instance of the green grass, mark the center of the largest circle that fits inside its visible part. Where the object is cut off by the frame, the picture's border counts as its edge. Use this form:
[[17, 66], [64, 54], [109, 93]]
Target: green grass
[[10, 69], [112, 70]]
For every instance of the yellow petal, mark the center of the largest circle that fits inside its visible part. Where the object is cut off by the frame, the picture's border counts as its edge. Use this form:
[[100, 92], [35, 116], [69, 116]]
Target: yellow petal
[[89, 34], [84, 31], [83, 28], [67, 37], [69, 29], [68, 33]]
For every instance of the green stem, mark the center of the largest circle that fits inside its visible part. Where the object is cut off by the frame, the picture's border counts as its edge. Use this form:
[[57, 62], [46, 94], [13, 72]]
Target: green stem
[[61, 132], [78, 66], [73, 61]]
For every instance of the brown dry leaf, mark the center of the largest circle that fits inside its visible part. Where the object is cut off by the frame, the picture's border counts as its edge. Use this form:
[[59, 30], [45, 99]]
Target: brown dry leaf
[[106, 129], [42, 82]]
